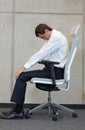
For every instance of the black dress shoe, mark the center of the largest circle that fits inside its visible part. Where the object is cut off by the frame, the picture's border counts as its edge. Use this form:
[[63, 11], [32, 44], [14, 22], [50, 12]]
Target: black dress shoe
[[8, 112], [12, 115]]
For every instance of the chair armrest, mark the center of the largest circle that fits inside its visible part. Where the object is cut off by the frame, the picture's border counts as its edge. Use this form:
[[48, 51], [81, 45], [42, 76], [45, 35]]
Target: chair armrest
[[45, 62], [51, 66]]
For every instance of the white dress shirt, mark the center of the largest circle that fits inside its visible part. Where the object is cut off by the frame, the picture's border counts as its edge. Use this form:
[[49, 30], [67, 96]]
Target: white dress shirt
[[56, 47]]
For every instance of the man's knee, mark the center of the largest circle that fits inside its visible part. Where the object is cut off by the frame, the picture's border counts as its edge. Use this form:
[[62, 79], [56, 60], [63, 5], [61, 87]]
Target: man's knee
[[21, 76], [24, 76]]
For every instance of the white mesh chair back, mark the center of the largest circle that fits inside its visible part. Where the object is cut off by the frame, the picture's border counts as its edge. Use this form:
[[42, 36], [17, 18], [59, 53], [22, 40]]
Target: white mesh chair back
[[72, 52]]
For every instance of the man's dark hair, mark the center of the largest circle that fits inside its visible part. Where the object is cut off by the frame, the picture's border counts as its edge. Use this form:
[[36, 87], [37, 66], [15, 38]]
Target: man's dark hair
[[40, 29]]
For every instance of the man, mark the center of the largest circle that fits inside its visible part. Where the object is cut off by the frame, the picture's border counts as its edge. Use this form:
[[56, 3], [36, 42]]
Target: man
[[56, 47]]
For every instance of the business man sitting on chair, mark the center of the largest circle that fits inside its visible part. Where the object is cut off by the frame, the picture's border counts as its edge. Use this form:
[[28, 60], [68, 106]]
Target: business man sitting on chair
[[56, 46]]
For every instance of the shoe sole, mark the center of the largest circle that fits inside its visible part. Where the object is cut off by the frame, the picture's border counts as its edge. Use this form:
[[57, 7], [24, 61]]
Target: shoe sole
[[12, 118], [16, 117]]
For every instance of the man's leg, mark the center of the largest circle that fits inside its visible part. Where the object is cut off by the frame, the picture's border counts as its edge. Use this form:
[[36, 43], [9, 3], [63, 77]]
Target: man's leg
[[18, 95]]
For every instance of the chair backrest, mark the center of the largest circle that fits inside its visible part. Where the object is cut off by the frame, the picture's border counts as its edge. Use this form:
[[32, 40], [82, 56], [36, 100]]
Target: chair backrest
[[72, 52]]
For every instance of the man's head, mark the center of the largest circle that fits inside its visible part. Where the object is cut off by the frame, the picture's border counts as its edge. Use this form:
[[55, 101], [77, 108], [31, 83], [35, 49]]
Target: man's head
[[43, 31]]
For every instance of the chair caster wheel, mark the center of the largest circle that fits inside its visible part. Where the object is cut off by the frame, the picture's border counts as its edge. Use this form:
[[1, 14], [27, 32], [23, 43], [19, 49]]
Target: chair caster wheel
[[27, 116], [54, 118], [28, 112], [74, 115]]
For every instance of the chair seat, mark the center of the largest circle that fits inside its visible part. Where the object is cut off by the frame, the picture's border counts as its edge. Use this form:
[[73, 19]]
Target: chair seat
[[47, 81]]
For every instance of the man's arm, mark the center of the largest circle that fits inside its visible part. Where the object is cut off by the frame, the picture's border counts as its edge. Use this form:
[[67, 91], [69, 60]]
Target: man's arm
[[45, 51]]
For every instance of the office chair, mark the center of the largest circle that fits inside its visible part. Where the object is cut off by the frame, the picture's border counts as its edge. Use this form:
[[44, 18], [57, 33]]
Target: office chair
[[50, 85]]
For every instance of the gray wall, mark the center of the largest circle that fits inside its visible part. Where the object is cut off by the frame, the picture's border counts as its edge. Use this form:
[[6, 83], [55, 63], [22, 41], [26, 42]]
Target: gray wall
[[18, 19]]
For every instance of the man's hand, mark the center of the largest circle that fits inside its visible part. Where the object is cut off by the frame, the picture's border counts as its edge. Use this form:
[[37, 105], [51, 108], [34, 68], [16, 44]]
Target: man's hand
[[19, 71]]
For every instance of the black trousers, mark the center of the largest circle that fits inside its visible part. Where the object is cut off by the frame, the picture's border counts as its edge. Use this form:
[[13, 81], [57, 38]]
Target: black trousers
[[18, 95]]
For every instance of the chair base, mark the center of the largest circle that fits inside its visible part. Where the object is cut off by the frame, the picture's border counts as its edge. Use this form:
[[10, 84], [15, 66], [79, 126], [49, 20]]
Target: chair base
[[53, 107]]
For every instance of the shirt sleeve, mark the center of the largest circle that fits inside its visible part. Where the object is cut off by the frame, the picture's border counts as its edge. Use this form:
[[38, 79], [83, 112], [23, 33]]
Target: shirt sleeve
[[47, 49]]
